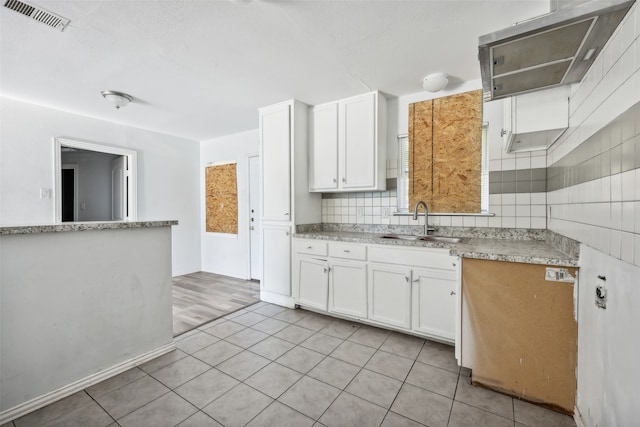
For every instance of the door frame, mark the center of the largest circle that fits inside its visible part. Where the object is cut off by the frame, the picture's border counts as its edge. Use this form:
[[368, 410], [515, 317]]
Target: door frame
[[132, 173], [258, 216], [73, 166]]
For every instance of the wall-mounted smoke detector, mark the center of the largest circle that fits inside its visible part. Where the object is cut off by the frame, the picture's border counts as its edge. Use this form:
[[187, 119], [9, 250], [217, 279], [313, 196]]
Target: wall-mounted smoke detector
[[37, 13]]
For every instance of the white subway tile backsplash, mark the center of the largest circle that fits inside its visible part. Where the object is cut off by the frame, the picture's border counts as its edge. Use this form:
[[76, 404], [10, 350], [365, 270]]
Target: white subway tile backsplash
[[538, 223], [469, 221], [627, 247], [616, 243], [628, 216]]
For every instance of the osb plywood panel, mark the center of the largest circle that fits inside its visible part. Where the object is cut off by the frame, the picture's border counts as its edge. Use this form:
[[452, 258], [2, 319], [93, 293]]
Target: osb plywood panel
[[222, 199], [457, 152], [420, 152], [519, 334], [445, 153]]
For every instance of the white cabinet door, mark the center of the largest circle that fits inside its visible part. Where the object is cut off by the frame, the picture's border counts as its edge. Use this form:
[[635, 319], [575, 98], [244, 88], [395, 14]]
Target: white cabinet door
[[275, 135], [348, 288], [312, 281], [276, 259], [357, 141], [434, 303], [390, 295], [323, 153]]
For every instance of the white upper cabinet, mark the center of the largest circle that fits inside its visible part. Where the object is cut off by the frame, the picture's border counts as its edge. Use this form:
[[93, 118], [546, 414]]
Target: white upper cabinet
[[534, 121], [323, 169], [275, 134], [348, 145]]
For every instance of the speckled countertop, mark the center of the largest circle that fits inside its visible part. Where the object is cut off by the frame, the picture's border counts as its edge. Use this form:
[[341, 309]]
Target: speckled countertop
[[83, 226], [511, 248]]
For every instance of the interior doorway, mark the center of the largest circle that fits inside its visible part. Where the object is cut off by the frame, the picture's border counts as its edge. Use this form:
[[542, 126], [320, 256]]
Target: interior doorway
[[69, 192], [254, 219], [103, 187]]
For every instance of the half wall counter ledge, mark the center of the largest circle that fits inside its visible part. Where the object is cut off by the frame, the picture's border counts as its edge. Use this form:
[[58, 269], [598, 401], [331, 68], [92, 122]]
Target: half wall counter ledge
[[80, 303], [83, 226]]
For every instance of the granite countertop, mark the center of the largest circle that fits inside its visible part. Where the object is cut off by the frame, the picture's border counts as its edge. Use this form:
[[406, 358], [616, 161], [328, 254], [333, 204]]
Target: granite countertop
[[499, 249], [83, 226]]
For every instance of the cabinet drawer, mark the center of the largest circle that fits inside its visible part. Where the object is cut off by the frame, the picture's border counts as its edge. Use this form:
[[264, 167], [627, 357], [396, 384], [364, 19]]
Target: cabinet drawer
[[419, 257], [348, 251], [311, 247]]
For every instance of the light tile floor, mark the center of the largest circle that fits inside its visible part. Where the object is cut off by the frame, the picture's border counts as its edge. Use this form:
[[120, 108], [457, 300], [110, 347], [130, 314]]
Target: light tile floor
[[270, 366]]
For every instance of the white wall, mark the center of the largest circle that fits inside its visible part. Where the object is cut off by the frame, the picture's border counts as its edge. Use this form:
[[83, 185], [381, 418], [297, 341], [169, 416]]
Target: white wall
[[228, 254], [608, 345], [94, 183], [168, 180]]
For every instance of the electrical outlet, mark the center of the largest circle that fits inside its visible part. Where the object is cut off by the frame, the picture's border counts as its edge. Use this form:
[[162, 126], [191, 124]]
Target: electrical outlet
[[360, 212], [45, 193], [385, 212], [601, 292]]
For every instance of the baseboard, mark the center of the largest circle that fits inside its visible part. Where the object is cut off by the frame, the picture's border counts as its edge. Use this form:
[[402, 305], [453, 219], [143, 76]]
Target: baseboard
[[51, 397], [283, 300], [577, 417]]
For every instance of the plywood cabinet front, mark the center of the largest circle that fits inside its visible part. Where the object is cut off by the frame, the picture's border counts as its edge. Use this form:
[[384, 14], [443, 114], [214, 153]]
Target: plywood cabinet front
[[519, 334]]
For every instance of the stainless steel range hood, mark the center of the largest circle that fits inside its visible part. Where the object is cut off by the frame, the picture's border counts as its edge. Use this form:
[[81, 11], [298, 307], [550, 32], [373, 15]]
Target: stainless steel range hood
[[551, 50]]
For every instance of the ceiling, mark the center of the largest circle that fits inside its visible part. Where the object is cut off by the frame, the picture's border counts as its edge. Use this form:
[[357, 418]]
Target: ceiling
[[200, 68]]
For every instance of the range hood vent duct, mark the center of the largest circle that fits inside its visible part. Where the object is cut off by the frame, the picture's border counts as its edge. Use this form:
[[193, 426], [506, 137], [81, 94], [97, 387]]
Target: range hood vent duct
[[551, 50], [37, 13]]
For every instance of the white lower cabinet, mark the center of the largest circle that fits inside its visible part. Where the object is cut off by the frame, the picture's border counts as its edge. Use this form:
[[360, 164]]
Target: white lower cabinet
[[390, 295], [434, 302], [405, 288], [313, 282], [348, 288]]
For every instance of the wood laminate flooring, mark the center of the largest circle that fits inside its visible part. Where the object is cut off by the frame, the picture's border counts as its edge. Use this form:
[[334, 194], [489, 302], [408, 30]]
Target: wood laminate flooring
[[201, 297]]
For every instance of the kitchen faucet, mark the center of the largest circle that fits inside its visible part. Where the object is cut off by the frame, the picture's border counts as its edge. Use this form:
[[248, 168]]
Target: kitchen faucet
[[426, 215]]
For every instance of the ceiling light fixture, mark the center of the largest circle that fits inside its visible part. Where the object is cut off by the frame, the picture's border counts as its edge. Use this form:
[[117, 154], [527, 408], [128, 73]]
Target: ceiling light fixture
[[435, 82], [119, 99]]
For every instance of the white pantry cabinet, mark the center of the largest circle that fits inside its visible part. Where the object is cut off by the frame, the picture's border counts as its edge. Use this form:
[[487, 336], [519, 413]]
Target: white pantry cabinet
[[412, 289], [285, 199], [348, 145], [276, 264], [275, 127]]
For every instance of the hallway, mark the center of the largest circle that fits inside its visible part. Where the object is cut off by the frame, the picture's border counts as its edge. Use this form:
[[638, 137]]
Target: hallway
[[201, 297]]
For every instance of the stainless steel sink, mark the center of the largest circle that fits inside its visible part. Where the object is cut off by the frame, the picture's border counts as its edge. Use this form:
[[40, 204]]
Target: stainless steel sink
[[437, 239]]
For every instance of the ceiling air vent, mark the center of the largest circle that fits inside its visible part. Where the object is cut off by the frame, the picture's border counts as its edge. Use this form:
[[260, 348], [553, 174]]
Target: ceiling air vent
[[38, 13]]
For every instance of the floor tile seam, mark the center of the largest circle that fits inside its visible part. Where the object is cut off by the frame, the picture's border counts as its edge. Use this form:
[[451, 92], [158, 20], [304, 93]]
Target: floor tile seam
[[172, 392], [487, 410], [150, 372], [405, 382], [217, 364], [369, 401], [91, 400], [324, 356], [453, 399], [119, 387], [364, 368], [276, 399], [181, 384], [142, 406]]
